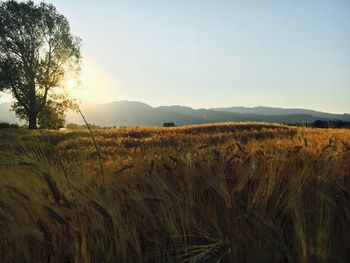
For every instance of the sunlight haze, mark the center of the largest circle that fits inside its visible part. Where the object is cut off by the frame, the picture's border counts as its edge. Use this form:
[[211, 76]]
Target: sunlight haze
[[291, 54]]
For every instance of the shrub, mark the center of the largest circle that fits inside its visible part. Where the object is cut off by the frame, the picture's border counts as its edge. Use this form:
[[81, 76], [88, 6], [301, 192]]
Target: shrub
[[6, 125]]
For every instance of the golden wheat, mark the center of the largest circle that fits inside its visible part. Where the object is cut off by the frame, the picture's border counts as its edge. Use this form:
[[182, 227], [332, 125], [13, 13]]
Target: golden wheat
[[231, 192]]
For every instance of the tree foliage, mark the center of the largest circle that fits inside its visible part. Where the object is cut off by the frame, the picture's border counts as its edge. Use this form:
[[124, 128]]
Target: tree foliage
[[53, 115], [37, 53]]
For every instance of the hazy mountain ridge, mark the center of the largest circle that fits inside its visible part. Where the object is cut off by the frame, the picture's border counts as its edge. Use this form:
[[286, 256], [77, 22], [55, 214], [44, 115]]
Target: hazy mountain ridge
[[283, 111], [133, 113], [6, 115]]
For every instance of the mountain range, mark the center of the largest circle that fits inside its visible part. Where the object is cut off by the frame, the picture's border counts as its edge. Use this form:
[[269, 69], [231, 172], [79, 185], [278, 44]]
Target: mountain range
[[133, 113]]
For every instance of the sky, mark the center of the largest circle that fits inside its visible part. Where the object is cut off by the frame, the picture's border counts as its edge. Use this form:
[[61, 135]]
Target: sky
[[291, 54]]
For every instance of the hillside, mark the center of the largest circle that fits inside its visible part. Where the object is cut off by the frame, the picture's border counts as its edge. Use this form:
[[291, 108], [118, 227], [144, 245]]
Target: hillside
[[283, 111], [6, 114], [132, 113]]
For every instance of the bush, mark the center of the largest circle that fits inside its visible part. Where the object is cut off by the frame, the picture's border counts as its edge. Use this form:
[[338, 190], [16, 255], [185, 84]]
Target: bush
[[6, 125], [74, 126]]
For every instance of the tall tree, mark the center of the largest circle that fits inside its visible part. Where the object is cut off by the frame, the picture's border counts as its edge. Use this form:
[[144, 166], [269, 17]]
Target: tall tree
[[37, 52], [53, 115]]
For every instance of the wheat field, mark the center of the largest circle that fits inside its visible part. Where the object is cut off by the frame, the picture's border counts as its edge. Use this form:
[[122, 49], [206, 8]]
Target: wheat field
[[234, 192]]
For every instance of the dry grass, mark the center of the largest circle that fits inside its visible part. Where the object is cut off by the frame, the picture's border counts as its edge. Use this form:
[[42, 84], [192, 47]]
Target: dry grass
[[212, 193]]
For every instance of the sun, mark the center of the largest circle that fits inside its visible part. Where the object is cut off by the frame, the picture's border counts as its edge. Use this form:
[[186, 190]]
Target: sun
[[71, 84]]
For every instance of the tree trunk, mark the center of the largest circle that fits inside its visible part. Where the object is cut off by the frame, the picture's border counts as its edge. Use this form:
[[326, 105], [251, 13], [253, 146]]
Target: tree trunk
[[32, 112], [32, 121]]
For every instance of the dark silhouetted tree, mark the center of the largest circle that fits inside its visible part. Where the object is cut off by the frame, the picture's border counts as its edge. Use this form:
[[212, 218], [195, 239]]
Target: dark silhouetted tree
[[53, 115], [37, 53]]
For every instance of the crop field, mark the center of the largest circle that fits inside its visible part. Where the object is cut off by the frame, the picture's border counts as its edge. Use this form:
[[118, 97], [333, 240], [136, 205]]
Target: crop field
[[233, 192]]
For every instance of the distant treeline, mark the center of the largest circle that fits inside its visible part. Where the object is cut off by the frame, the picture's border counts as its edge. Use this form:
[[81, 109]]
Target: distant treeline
[[332, 124], [6, 125], [74, 126], [316, 124]]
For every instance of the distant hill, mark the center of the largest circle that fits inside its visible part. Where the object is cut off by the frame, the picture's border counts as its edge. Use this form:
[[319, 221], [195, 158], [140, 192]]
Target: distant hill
[[6, 115], [133, 113], [129, 113], [282, 111]]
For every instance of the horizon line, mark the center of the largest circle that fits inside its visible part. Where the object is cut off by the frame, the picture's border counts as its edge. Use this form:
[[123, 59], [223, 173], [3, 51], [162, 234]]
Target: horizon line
[[208, 108]]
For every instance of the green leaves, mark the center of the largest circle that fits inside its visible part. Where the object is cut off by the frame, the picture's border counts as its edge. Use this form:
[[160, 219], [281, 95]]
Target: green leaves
[[53, 115], [37, 52]]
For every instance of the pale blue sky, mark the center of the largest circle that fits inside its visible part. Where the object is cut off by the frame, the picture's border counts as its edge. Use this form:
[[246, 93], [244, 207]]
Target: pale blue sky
[[215, 53]]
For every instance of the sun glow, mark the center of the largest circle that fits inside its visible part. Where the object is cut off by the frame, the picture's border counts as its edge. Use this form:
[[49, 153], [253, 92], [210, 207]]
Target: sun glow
[[71, 84], [96, 83]]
